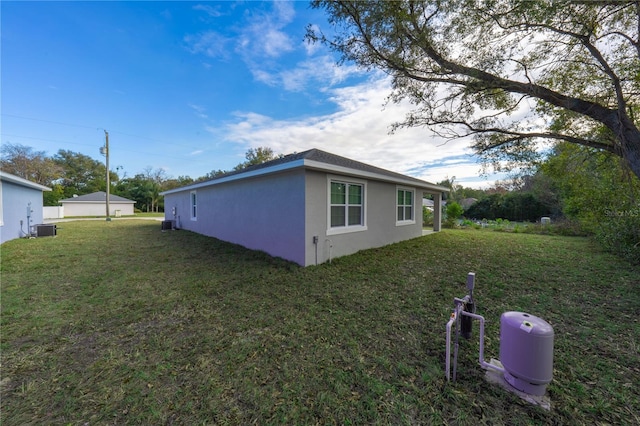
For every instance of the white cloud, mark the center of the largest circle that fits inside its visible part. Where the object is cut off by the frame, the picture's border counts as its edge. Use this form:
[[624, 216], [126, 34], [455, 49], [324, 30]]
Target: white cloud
[[208, 43], [262, 41], [321, 70], [359, 129], [312, 48], [214, 12], [263, 36], [199, 110]]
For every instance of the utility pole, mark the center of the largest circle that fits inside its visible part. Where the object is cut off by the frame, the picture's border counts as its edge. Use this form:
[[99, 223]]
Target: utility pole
[[105, 152]]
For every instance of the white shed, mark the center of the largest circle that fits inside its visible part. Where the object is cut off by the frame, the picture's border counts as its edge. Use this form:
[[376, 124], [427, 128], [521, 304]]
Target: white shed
[[95, 205]]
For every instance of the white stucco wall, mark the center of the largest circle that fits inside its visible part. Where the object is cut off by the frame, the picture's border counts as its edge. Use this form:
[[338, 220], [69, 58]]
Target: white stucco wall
[[380, 212], [76, 208]]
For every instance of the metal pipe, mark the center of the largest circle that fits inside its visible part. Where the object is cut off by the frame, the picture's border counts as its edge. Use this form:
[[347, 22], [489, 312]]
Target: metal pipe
[[454, 317], [483, 363], [448, 351], [456, 345]]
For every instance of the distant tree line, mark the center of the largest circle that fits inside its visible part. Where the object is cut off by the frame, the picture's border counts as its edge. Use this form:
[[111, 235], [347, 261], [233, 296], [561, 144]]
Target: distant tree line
[[591, 189]]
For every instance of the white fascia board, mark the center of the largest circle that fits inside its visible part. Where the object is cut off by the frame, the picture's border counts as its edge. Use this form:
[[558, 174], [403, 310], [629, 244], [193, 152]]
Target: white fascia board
[[7, 177], [95, 202], [317, 165], [239, 176], [311, 164]]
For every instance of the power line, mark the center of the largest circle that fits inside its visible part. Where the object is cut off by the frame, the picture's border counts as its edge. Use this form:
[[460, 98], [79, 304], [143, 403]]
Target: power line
[[96, 128], [152, 154], [47, 121], [93, 145], [46, 140]]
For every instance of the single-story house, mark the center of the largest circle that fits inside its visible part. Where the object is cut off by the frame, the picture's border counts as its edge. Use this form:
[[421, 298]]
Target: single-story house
[[307, 207], [94, 204], [20, 206]]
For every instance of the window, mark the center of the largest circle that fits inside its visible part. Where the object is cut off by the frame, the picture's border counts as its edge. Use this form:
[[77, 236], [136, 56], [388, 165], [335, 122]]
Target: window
[[405, 206], [346, 206], [194, 205]]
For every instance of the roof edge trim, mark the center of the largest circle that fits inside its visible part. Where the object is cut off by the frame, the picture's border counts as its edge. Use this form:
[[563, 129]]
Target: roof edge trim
[[318, 165], [8, 177], [239, 176]]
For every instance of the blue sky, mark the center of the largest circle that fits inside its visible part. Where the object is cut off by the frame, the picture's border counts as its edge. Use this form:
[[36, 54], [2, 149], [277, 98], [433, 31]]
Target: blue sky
[[189, 87]]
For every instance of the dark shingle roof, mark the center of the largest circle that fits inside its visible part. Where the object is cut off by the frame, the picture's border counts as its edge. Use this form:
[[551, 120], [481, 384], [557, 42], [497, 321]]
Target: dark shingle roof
[[336, 160], [318, 156], [99, 196], [323, 157]]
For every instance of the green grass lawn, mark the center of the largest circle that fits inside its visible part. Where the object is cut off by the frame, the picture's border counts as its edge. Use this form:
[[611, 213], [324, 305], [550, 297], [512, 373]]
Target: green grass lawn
[[120, 323]]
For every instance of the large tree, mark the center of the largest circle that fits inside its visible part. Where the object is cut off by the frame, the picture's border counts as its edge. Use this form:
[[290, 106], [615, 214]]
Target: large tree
[[81, 173], [24, 162], [257, 156], [471, 68]]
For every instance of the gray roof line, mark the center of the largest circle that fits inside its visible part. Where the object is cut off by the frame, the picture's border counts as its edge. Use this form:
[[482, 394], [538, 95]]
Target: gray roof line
[[318, 156], [96, 197], [8, 177]]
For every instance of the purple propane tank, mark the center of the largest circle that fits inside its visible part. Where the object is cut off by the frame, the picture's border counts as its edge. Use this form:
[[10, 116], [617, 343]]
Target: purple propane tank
[[526, 351]]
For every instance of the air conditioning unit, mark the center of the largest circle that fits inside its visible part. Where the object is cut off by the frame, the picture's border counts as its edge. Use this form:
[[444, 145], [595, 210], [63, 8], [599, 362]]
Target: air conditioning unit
[[168, 225], [46, 230]]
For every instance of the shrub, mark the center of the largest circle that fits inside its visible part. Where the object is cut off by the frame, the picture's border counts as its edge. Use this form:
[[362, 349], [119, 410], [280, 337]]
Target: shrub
[[454, 211], [619, 233], [515, 206], [427, 217]]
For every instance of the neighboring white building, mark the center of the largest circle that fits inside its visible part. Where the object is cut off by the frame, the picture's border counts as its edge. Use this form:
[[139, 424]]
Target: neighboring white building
[[306, 207], [95, 205], [20, 206]]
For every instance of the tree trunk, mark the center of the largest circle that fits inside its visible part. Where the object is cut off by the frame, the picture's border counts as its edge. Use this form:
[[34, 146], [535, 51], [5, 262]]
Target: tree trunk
[[632, 154]]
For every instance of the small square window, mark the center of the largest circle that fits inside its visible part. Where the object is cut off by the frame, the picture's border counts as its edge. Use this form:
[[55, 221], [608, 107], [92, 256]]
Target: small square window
[[405, 206]]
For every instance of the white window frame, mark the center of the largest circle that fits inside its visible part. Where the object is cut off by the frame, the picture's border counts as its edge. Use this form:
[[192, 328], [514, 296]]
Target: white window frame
[[193, 204], [411, 221], [346, 228]]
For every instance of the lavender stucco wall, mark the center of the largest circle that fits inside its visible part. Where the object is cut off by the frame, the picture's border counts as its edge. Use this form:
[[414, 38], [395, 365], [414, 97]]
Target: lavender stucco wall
[[263, 213], [15, 199]]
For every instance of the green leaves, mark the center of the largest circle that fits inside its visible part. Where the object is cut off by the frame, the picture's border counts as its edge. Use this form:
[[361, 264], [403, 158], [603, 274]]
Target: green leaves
[[470, 69]]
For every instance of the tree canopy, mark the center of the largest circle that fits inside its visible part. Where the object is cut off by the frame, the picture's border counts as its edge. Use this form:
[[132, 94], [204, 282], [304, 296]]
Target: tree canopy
[[474, 68], [257, 156], [71, 173], [24, 162]]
